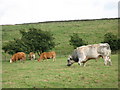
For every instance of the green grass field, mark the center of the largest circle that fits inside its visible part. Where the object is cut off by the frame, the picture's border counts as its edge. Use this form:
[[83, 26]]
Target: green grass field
[[49, 74]]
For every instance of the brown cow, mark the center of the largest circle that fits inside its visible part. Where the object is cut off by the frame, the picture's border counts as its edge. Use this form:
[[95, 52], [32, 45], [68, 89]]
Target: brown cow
[[18, 56], [48, 55], [32, 56]]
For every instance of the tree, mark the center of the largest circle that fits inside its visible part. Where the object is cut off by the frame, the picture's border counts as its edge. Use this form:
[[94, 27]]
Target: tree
[[33, 40], [37, 40], [112, 40], [76, 41], [118, 43], [17, 45]]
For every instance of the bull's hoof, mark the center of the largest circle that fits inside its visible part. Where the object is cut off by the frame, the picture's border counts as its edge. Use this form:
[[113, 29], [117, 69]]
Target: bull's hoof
[[79, 64], [68, 64]]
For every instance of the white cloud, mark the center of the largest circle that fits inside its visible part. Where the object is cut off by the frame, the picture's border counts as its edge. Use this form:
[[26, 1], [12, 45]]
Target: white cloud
[[27, 11]]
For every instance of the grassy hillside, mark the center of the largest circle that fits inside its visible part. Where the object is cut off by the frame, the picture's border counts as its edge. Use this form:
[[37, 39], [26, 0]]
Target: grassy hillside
[[91, 31], [49, 74]]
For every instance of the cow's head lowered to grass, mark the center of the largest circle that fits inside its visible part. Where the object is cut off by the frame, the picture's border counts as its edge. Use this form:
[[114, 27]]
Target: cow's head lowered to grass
[[70, 61]]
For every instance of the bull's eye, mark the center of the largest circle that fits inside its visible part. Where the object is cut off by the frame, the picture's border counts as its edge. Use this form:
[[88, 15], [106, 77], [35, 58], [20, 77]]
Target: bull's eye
[[68, 60]]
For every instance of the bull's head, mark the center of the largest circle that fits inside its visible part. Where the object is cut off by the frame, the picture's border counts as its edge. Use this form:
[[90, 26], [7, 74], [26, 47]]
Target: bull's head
[[70, 61]]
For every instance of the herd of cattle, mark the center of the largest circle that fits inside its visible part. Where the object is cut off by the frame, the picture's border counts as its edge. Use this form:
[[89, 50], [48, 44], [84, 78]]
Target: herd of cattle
[[80, 54], [22, 56]]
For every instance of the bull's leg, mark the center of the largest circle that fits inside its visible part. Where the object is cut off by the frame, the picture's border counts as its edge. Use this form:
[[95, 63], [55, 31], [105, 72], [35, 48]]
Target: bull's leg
[[109, 61], [43, 59], [105, 60], [82, 61], [16, 59], [21, 60], [54, 59], [84, 64], [33, 57], [79, 62]]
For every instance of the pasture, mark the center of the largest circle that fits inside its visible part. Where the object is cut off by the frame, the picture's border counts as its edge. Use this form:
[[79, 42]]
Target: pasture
[[49, 74]]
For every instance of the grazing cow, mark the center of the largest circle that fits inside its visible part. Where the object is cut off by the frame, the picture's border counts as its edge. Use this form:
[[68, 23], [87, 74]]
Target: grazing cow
[[84, 53], [18, 56], [32, 56], [48, 55]]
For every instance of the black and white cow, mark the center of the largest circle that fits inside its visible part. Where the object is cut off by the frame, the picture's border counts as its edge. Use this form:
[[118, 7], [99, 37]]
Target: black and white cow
[[84, 53]]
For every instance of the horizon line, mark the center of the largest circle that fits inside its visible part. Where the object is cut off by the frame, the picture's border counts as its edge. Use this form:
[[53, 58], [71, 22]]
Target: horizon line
[[62, 21]]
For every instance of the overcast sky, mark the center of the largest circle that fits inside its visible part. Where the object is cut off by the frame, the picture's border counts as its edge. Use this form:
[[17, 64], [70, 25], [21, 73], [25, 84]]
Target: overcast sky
[[30, 11]]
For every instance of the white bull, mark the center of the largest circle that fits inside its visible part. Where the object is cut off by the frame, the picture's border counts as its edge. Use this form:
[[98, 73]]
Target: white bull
[[84, 53]]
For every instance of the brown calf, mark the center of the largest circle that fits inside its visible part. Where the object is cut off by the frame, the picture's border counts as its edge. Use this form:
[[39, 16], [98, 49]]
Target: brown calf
[[18, 56], [48, 55], [31, 56]]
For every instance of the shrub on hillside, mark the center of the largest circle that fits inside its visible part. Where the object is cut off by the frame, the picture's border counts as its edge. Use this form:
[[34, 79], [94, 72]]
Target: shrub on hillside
[[33, 40], [112, 40], [37, 40], [76, 41], [11, 47]]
